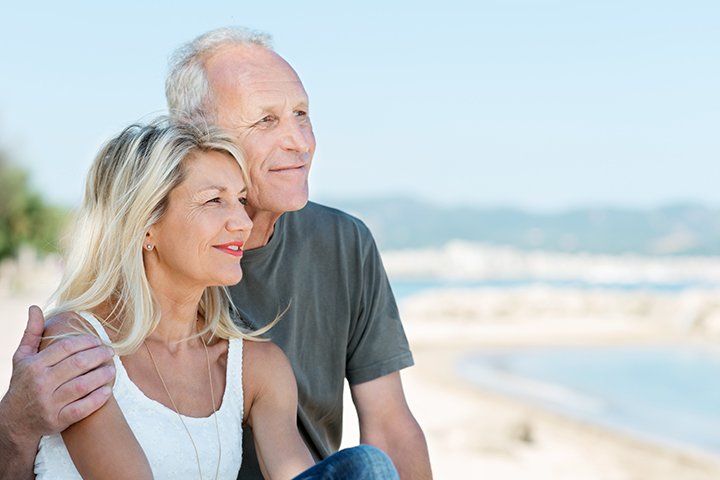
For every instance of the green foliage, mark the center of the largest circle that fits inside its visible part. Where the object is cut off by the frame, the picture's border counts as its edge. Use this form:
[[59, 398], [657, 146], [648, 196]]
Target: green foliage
[[25, 219]]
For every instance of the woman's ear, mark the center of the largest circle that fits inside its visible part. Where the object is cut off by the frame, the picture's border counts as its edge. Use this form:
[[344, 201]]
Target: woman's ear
[[148, 244]]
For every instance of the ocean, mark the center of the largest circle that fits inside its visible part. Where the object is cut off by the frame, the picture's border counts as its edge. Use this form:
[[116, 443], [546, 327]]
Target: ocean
[[669, 394], [665, 393], [405, 288]]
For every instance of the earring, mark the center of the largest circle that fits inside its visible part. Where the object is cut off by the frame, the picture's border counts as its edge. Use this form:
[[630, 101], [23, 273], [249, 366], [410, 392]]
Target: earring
[[149, 246]]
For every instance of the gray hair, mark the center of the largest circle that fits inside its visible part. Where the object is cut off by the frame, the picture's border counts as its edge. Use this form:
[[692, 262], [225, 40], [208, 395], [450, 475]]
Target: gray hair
[[187, 89]]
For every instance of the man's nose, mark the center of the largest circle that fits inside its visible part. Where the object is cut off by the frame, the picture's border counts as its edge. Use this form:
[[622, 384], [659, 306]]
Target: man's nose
[[298, 137]]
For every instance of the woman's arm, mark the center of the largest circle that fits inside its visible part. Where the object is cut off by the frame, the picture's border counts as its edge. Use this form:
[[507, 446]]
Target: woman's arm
[[271, 410], [101, 445]]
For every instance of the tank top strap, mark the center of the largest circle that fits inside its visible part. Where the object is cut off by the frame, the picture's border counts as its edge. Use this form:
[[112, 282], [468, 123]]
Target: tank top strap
[[234, 374], [95, 323]]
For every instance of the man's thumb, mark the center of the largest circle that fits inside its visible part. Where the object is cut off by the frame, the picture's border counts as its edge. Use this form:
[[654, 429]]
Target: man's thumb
[[30, 341]]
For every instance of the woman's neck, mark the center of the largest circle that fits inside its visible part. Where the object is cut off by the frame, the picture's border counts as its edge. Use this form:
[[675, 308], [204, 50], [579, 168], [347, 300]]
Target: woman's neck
[[178, 318], [178, 302]]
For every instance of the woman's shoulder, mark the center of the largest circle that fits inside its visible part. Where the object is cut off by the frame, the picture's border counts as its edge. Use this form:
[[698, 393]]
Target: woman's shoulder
[[264, 363], [61, 324], [263, 353], [65, 322]]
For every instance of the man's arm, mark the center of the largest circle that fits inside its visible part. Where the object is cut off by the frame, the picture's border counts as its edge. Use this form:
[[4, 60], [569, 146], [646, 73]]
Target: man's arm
[[49, 391], [387, 423]]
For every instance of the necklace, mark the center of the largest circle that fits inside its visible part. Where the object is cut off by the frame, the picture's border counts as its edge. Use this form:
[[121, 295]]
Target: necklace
[[212, 397]]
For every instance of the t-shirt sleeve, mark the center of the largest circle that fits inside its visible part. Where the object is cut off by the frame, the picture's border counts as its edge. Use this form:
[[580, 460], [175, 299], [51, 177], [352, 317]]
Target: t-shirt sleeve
[[377, 344]]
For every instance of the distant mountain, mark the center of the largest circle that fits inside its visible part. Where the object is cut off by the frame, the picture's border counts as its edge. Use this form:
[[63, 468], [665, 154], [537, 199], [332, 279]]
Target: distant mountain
[[400, 223]]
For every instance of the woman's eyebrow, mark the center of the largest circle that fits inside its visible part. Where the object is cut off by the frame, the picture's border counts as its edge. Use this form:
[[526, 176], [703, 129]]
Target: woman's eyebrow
[[218, 188]]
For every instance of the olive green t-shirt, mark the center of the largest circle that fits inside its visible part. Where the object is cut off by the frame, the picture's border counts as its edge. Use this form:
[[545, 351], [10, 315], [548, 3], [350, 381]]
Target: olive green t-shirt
[[341, 320]]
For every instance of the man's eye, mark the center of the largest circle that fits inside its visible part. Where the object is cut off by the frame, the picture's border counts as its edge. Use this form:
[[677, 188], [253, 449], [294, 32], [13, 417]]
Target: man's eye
[[267, 119], [214, 200], [301, 113]]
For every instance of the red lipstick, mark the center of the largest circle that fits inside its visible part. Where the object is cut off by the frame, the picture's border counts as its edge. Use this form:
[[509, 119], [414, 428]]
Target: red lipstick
[[232, 248]]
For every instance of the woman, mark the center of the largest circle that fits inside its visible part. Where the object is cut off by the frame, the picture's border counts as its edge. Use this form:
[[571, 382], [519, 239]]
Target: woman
[[159, 235]]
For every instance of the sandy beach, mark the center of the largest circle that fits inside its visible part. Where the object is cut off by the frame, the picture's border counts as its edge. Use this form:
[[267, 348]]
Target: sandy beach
[[473, 433]]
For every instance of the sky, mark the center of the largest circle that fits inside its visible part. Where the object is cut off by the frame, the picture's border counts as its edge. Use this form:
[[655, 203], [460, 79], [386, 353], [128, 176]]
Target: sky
[[536, 104]]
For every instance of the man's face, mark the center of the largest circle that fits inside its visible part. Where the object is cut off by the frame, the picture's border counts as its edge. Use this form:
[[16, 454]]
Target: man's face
[[260, 99]]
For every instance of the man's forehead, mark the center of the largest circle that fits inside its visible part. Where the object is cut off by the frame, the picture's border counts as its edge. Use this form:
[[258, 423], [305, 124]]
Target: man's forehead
[[249, 63], [288, 89], [260, 73]]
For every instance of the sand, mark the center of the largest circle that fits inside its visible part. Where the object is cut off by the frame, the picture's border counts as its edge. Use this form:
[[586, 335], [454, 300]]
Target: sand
[[472, 433]]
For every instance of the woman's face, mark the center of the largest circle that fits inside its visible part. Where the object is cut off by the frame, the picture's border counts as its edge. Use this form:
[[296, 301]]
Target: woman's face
[[199, 240]]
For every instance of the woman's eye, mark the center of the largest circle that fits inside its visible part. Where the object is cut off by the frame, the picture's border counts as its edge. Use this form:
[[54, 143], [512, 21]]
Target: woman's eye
[[243, 201]]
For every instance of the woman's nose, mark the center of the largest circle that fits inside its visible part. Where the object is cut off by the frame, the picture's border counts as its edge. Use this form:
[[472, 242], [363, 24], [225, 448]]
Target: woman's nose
[[239, 220]]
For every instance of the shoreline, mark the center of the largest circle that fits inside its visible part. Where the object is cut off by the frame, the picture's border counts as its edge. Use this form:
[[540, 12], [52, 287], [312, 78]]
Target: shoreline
[[511, 438], [470, 426]]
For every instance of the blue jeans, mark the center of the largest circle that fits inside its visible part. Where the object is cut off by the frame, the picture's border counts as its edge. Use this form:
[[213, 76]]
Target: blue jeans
[[363, 462]]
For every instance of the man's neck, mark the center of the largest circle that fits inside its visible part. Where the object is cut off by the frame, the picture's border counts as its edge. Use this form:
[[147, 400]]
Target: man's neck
[[262, 230]]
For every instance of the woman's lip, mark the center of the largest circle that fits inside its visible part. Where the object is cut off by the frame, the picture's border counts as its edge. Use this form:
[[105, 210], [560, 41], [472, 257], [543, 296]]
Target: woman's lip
[[227, 249], [237, 243], [233, 248]]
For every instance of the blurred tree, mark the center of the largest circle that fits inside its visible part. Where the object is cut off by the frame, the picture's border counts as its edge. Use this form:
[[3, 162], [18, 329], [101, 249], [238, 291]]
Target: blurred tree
[[25, 219]]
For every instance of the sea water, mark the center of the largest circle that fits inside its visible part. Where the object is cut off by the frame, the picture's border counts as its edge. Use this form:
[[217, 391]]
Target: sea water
[[406, 288], [667, 393]]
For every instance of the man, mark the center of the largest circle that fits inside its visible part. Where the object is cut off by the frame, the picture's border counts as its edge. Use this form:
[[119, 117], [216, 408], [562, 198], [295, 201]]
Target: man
[[317, 266]]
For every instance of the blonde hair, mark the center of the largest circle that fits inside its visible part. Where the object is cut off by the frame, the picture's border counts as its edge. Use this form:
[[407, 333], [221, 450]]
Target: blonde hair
[[126, 192], [187, 89]]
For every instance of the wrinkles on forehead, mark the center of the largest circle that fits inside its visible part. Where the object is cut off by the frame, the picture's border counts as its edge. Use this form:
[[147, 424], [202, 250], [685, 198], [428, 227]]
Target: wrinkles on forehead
[[247, 81], [273, 97]]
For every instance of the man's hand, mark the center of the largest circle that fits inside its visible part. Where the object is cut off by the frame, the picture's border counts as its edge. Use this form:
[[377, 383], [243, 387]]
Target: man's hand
[[49, 390], [387, 423]]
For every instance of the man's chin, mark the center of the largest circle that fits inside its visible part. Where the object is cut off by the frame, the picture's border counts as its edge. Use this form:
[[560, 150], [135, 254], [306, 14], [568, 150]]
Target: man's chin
[[294, 202], [297, 202], [299, 206]]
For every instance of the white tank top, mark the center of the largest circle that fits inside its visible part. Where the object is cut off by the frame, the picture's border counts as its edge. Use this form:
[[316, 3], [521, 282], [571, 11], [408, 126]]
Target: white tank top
[[160, 432]]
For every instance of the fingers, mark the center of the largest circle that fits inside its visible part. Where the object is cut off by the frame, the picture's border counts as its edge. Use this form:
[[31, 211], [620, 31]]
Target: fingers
[[79, 409], [69, 346], [33, 333], [47, 399], [84, 385], [65, 382], [78, 363]]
